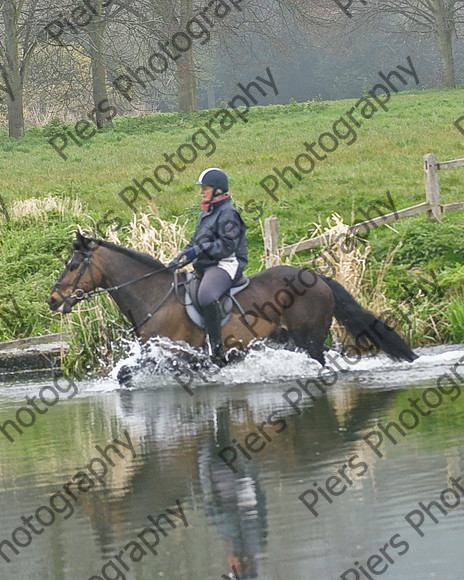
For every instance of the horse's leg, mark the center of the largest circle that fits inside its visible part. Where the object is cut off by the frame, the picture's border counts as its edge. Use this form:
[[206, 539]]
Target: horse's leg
[[312, 341], [309, 318]]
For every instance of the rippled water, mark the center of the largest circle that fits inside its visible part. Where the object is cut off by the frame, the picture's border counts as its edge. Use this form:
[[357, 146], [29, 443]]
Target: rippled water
[[229, 466]]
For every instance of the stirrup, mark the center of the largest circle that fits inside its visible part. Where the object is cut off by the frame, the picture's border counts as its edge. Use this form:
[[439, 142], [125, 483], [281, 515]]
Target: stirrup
[[216, 353]]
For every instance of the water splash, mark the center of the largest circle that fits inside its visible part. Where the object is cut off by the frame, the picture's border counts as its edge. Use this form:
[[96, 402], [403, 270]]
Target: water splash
[[158, 363], [156, 366]]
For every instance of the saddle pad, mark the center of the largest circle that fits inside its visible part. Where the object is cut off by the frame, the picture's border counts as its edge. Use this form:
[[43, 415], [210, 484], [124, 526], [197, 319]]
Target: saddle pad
[[226, 302]]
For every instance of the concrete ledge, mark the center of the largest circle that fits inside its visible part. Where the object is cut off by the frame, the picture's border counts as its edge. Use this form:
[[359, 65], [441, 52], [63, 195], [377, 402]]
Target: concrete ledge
[[35, 357]]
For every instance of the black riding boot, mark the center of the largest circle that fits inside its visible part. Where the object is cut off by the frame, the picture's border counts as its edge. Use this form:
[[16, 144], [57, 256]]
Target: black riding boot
[[212, 317]]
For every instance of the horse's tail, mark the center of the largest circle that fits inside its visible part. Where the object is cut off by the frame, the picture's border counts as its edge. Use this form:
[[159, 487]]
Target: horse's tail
[[365, 326]]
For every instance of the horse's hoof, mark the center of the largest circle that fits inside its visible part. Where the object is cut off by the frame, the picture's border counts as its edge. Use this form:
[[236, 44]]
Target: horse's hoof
[[125, 377], [235, 355], [149, 365]]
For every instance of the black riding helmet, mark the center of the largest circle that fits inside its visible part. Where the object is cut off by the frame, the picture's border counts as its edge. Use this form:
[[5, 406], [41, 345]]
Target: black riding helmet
[[214, 177]]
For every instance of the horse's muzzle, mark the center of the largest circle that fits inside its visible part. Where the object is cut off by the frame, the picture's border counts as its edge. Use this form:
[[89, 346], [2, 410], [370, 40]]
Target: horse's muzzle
[[62, 306]]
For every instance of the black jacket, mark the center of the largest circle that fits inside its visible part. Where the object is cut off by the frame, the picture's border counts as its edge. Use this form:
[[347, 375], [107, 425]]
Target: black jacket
[[220, 232]]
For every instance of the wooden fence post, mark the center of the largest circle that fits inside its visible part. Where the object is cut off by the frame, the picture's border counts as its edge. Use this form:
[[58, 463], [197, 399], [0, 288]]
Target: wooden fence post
[[432, 187], [271, 241]]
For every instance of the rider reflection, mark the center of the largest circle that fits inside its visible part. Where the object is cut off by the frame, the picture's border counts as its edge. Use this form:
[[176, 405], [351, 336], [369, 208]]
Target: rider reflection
[[235, 502]]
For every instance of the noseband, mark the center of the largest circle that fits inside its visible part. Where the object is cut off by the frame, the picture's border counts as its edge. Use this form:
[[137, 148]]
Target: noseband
[[76, 292]]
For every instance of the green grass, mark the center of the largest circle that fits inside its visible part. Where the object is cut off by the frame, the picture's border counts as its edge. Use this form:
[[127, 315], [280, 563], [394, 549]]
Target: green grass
[[387, 155]]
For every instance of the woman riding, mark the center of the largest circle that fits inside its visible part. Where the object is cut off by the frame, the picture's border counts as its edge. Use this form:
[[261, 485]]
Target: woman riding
[[218, 251]]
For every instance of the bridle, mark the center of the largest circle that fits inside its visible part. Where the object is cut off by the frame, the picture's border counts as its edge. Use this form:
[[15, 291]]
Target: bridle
[[79, 294], [76, 292]]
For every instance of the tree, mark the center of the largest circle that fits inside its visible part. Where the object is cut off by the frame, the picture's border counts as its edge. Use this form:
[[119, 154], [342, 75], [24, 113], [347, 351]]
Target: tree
[[28, 23], [186, 66], [187, 29], [19, 27], [437, 17], [86, 27], [171, 20], [96, 32]]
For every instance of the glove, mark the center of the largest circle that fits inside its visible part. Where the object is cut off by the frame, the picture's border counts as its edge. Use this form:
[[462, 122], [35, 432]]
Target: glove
[[177, 263], [182, 259]]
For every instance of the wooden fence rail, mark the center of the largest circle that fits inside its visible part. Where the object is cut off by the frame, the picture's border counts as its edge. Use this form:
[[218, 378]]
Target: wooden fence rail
[[432, 206]]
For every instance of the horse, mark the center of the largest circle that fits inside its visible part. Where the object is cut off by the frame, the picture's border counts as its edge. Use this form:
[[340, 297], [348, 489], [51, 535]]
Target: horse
[[280, 303]]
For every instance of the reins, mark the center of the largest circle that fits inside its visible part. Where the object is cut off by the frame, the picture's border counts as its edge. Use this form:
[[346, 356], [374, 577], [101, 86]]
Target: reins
[[81, 295], [92, 293], [176, 285], [136, 326]]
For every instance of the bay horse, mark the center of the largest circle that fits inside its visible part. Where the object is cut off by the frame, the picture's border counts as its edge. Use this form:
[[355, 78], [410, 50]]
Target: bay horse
[[283, 301]]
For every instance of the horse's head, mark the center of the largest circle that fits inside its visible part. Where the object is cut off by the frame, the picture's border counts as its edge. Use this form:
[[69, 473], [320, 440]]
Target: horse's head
[[79, 277]]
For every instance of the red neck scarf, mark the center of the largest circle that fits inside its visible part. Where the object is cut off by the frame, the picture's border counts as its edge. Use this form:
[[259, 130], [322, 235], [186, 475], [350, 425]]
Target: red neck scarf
[[205, 205]]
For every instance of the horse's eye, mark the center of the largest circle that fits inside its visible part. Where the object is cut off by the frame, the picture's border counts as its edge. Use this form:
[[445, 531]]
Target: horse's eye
[[73, 267]]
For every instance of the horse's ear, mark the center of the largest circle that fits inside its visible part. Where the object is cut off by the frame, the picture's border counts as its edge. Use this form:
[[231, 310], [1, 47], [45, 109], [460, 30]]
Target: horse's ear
[[82, 242]]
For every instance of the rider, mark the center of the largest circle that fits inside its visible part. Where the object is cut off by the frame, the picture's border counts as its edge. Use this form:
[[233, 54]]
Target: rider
[[217, 249]]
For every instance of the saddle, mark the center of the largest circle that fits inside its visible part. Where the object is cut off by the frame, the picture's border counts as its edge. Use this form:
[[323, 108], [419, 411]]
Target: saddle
[[226, 302]]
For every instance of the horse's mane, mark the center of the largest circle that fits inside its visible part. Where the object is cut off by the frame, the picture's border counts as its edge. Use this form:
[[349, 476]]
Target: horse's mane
[[142, 258]]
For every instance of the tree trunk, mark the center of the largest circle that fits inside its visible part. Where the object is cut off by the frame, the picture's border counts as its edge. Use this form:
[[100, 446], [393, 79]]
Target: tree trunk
[[445, 38], [99, 89], [187, 85], [16, 109], [211, 96], [13, 75]]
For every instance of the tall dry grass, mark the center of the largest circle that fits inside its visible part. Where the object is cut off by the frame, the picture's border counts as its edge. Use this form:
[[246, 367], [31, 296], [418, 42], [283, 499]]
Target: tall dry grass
[[39, 208], [150, 234], [344, 253], [343, 257]]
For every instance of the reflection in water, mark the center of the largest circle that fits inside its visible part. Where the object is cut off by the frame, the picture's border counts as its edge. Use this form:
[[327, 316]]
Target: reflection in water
[[234, 501], [250, 521]]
